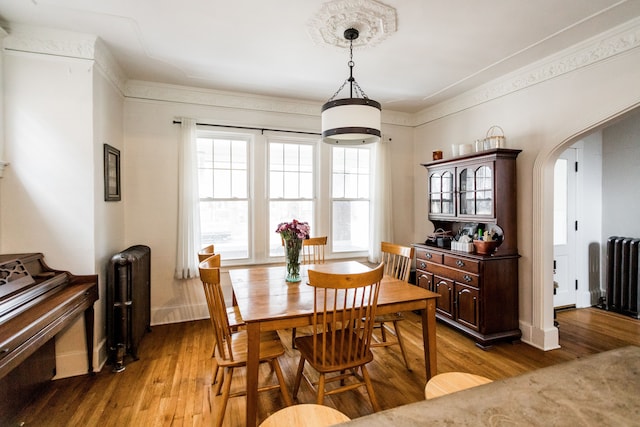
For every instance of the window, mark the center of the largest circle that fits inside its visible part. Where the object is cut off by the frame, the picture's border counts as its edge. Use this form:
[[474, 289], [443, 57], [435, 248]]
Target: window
[[223, 186], [250, 182], [291, 187], [351, 183]]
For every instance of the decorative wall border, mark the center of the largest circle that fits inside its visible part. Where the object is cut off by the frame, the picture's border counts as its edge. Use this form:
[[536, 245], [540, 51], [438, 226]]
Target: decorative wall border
[[24, 38], [614, 42]]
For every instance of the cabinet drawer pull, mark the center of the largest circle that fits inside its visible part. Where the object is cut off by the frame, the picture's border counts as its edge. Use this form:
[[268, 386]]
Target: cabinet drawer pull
[[467, 278], [428, 256], [460, 263], [423, 265]]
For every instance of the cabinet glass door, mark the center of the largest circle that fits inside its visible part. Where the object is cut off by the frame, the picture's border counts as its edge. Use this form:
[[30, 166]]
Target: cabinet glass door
[[441, 193], [476, 191]]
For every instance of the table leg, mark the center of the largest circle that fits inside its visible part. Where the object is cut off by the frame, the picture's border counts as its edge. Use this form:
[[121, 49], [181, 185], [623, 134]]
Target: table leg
[[253, 357], [429, 337]]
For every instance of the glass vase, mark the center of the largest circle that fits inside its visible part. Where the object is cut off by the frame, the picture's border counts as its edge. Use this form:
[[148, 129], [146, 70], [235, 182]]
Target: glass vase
[[292, 248]]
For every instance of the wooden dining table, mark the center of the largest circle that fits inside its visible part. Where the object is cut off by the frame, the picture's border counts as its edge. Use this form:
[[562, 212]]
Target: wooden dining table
[[268, 302]]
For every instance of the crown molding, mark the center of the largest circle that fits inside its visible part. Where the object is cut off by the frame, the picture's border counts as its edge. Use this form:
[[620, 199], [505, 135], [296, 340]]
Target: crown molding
[[136, 89], [107, 63], [209, 97], [614, 42], [66, 44], [26, 38]]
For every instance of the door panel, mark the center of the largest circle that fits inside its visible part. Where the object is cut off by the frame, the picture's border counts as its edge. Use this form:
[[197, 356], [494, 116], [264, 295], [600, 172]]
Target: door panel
[[468, 310], [564, 233], [444, 287]]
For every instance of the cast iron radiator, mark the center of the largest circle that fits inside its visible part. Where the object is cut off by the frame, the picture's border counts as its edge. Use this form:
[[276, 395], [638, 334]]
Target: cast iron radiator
[[622, 275], [128, 303]]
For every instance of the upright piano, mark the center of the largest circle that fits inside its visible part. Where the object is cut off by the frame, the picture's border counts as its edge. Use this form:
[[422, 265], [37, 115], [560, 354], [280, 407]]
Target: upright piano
[[36, 303]]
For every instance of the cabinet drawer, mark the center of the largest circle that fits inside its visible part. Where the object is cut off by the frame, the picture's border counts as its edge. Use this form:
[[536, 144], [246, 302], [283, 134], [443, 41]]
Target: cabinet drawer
[[428, 255], [461, 263], [463, 277]]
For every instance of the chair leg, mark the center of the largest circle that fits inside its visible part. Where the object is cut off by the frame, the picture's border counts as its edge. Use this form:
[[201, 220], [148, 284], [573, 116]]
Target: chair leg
[[214, 380], [372, 395], [228, 376], [320, 399], [293, 338], [383, 332], [401, 344], [215, 362], [299, 373], [218, 382], [283, 386]]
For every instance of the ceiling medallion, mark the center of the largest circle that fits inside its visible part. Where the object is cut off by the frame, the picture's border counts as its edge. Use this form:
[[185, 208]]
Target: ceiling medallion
[[373, 20]]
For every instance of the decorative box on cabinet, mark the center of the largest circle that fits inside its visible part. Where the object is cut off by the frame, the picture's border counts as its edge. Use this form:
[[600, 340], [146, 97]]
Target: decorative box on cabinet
[[478, 293]]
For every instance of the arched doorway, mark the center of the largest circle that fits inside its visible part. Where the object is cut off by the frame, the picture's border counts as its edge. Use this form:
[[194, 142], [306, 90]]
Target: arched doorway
[[544, 332]]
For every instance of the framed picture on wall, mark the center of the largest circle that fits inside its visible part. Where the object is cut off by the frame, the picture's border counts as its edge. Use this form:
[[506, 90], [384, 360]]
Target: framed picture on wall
[[111, 174]]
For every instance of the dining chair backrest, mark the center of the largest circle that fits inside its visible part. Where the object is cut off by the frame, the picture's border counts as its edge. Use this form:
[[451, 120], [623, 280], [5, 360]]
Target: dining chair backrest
[[313, 250], [210, 277], [205, 252], [344, 309], [397, 260]]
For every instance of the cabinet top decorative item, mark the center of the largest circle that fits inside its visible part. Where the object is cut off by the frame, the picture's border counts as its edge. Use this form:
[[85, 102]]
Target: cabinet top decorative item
[[493, 152]]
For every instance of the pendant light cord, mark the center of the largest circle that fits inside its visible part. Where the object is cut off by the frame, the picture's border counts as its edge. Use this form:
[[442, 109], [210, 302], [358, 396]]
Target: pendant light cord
[[353, 84]]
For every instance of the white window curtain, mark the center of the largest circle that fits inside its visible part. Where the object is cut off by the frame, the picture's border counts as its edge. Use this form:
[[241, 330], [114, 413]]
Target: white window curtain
[[188, 242], [381, 201]]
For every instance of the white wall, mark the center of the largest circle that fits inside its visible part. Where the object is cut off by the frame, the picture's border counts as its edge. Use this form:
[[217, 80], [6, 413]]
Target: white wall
[[58, 112], [540, 118], [3, 34], [621, 178], [589, 263], [47, 191], [108, 107]]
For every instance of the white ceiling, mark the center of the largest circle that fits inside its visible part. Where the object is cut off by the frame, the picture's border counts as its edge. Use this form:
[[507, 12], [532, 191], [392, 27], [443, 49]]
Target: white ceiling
[[439, 49]]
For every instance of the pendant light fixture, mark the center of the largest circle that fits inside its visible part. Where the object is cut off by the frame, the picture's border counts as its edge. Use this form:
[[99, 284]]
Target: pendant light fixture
[[351, 121]]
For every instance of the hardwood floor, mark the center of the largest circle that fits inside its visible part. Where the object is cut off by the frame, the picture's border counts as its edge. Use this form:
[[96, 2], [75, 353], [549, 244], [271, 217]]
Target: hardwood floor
[[170, 384]]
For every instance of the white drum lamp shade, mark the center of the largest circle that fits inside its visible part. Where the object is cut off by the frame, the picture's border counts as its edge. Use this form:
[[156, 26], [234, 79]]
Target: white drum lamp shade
[[351, 121]]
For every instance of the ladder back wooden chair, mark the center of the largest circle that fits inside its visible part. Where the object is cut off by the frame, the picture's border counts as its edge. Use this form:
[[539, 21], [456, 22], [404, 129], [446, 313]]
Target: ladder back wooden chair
[[312, 253], [342, 325], [313, 250], [208, 278], [397, 263], [231, 351], [206, 252]]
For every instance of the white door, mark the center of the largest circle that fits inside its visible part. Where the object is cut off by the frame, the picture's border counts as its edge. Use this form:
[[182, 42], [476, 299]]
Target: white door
[[564, 229]]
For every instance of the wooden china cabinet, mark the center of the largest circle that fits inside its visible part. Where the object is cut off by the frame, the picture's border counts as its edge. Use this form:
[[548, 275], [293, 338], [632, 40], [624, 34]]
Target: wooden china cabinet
[[478, 293]]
